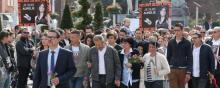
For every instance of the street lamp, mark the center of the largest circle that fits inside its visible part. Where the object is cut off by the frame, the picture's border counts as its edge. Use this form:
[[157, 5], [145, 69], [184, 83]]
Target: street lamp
[[197, 11], [114, 15]]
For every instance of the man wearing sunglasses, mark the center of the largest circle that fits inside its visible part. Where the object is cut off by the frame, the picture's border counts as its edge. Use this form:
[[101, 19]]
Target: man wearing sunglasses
[[24, 48], [203, 62]]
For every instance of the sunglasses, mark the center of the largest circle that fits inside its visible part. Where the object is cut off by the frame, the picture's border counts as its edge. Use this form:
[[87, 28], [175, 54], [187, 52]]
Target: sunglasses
[[214, 32], [26, 32]]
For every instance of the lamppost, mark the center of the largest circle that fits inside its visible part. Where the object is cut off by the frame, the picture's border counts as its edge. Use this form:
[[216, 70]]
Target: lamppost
[[114, 15], [197, 11]]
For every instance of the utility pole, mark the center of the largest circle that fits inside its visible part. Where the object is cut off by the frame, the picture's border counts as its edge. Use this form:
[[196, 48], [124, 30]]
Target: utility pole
[[197, 11]]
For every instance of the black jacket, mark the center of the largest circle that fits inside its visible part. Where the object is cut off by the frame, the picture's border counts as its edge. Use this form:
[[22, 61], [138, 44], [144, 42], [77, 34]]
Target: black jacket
[[24, 53], [206, 60], [135, 67], [180, 55]]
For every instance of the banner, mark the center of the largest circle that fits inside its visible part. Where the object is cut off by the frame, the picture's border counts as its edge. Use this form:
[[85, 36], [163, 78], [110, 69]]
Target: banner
[[27, 11], [155, 15]]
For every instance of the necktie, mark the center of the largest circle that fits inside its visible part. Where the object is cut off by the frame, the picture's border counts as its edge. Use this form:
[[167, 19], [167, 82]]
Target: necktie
[[52, 61]]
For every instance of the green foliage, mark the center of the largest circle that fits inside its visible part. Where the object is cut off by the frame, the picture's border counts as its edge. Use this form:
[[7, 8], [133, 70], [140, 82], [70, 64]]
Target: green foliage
[[192, 22], [66, 22], [98, 18], [83, 13]]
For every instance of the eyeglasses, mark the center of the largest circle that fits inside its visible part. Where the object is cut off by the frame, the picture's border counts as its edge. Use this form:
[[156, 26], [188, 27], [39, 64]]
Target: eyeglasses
[[176, 30], [26, 32], [195, 37], [214, 32], [44, 39], [51, 37]]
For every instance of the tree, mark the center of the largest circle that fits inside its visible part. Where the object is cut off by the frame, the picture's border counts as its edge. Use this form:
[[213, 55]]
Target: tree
[[98, 18], [0, 24], [66, 22], [83, 14]]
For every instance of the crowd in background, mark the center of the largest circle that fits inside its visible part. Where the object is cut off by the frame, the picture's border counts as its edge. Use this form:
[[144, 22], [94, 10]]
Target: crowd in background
[[111, 57]]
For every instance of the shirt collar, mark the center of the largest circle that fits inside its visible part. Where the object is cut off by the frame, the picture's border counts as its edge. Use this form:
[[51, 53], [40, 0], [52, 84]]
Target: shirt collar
[[56, 50], [123, 51], [105, 47], [197, 47]]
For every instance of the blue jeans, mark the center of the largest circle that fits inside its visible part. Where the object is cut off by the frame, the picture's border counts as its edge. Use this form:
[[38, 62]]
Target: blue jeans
[[77, 82], [5, 80]]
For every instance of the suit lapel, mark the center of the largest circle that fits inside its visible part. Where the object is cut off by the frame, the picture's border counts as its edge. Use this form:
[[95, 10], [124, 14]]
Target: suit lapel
[[45, 60], [58, 59], [80, 50]]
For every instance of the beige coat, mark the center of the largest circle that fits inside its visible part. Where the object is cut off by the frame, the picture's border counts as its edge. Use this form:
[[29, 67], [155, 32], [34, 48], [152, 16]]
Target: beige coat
[[161, 65]]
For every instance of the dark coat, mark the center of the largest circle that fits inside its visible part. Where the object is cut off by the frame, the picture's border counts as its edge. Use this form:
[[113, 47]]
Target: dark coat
[[65, 69], [24, 53]]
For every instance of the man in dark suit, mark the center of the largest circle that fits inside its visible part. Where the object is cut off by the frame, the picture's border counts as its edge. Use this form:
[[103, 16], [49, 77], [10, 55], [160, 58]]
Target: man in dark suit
[[24, 48], [203, 62], [214, 42], [55, 65], [104, 64]]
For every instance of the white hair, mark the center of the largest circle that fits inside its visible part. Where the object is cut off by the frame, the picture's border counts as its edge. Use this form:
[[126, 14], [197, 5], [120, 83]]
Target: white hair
[[217, 28], [99, 37]]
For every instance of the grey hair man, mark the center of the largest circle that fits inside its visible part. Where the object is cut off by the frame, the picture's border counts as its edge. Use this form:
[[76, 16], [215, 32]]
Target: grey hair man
[[105, 64]]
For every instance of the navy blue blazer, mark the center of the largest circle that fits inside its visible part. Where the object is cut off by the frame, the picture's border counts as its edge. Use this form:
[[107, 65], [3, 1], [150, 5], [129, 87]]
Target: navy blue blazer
[[206, 60], [65, 69]]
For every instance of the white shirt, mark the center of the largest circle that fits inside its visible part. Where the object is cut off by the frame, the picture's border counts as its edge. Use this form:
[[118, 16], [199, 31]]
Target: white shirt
[[49, 62], [196, 61], [66, 42], [216, 43], [75, 50], [101, 54]]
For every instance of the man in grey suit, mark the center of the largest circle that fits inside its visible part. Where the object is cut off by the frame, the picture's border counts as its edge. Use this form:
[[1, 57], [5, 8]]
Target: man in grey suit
[[105, 64], [80, 53]]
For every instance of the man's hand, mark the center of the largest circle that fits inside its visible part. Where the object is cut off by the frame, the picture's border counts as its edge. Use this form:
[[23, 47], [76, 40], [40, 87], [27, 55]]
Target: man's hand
[[117, 83], [129, 65], [89, 65], [187, 78], [218, 58], [55, 81], [211, 76], [86, 82], [156, 71]]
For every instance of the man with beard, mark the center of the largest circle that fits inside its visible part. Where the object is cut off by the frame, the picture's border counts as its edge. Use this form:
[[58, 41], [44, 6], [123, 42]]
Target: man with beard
[[24, 48]]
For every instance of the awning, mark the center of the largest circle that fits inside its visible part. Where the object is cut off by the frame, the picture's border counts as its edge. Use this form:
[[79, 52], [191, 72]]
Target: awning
[[7, 17]]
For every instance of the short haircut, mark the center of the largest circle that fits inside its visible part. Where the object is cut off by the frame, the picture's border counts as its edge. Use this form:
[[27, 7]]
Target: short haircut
[[88, 27], [156, 44], [125, 19], [99, 37], [111, 34], [216, 28], [198, 34], [4, 34], [55, 31], [128, 39], [179, 25], [123, 30], [76, 32]]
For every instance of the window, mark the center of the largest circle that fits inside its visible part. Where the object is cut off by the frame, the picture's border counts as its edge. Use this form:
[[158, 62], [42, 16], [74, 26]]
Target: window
[[10, 2]]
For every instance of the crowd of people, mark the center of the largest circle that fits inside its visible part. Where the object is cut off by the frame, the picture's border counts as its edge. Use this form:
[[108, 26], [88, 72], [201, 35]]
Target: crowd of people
[[110, 58]]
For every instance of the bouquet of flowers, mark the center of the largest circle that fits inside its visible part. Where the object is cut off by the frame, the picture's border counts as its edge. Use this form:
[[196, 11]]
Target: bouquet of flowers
[[135, 59], [53, 75]]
